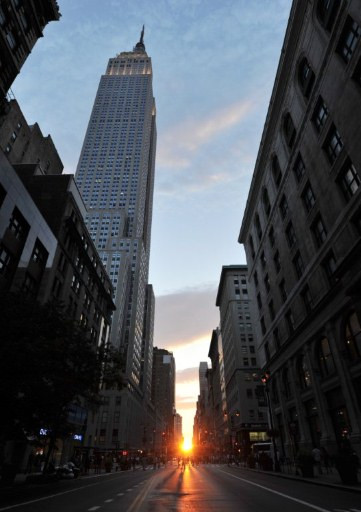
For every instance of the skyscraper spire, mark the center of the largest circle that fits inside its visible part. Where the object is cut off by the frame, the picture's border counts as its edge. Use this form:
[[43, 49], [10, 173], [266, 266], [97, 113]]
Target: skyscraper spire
[[140, 45]]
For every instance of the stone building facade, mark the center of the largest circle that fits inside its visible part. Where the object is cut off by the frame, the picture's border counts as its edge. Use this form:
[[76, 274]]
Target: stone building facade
[[302, 231]]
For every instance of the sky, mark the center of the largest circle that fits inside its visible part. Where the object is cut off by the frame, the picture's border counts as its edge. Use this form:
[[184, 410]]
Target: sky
[[214, 64]]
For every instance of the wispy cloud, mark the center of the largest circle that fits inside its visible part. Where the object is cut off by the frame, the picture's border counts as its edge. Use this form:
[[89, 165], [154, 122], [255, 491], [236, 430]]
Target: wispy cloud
[[182, 305], [187, 375], [178, 143]]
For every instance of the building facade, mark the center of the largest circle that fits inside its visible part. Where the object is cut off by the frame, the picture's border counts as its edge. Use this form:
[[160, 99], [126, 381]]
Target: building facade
[[163, 392], [301, 230], [245, 416], [115, 175], [21, 25]]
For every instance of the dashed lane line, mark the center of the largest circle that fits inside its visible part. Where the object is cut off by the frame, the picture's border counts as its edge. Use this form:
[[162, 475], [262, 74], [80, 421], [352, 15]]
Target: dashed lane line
[[108, 501], [287, 496], [120, 494], [24, 503]]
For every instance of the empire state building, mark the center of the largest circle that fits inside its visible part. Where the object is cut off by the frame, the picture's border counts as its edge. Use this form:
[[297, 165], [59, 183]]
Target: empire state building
[[115, 176]]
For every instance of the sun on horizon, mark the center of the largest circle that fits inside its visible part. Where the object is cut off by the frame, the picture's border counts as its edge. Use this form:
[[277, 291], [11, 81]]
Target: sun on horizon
[[187, 445]]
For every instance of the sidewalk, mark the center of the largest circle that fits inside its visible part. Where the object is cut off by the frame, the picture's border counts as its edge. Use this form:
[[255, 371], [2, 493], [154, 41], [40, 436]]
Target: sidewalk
[[331, 479]]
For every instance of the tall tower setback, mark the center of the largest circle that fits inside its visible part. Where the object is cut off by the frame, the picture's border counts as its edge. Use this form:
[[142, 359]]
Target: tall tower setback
[[115, 176]]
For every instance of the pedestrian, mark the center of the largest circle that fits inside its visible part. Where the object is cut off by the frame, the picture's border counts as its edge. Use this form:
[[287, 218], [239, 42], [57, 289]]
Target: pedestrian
[[325, 458]]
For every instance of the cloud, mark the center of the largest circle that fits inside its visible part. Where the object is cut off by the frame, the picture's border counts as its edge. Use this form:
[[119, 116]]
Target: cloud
[[177, 144], [187, 375], [178, 309]]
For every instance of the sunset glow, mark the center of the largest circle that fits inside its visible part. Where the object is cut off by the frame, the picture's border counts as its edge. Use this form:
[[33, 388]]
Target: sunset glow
[[187, 445]]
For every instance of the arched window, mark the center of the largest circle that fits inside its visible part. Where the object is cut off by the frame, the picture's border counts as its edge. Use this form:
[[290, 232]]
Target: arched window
[[326, 12], [306, 77], [286, 383], [304, 375], [325, 358], [289, 130], [266, 201], [258, 226], [353, 337], [276, 171]]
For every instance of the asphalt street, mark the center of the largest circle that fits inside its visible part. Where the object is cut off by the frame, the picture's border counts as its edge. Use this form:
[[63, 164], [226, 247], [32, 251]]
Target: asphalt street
[[205, 488]]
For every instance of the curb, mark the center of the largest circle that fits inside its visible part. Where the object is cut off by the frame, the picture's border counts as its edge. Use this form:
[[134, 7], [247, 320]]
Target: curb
[[340, 487]]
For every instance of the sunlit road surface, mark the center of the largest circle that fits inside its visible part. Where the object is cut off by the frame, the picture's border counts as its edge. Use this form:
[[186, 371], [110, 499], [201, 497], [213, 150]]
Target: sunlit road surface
[[204, 488]]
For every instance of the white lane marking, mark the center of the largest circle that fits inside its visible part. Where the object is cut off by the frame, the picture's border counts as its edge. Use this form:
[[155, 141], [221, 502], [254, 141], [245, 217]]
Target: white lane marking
[[93, 508], [129, 490], [108, 501], [315, 507], [49, 497], [120, 494]]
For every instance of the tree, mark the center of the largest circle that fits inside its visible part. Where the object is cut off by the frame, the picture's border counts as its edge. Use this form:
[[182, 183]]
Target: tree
[[47, 362]]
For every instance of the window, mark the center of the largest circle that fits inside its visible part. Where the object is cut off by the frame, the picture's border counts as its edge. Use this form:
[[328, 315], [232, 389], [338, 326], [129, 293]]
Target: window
[[353, 337], [56, 288], [259, 301], [277, 261], [298, 264], [326, 12], [289, 130], [290, 235], [333, 144], [271, 236], [349, 179], [306, 77], [319, 231], [11, 40], [29, 286], [290, 322], [116, 417], [263, 260], [307, 298], [245, 361], [276, 171], [267, 283], [325, 358], [263, 326], [251, 245], [329, 265], [320, 114], [266, 202], [257, 224], [18, 225], [349, 38], [249, 392], [255, 277], [2, 194], [283, 206], [282, 289], [40, 254], [299, 168], [304, 375], [308, 197], [5, 261], [271, 310]]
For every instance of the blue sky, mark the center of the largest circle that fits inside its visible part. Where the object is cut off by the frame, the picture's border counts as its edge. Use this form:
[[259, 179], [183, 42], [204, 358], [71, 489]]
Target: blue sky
[[214, 65]]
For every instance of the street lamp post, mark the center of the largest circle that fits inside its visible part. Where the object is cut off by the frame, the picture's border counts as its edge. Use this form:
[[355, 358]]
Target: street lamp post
[[265, 378]]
